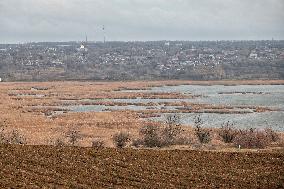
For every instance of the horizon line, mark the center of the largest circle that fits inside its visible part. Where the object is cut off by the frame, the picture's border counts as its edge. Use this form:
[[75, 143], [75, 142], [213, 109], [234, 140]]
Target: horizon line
[[127, 41]]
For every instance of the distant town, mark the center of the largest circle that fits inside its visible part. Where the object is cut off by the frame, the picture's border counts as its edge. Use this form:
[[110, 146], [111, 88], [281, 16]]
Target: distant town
[[156, 60]]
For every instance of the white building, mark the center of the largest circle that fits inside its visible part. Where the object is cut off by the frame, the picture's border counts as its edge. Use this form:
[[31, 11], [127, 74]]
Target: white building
[[83, 48], [253, 55]]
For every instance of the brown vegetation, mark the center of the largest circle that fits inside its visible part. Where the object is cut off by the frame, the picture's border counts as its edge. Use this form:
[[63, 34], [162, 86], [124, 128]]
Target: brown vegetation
[[121, 139], [34, 116]]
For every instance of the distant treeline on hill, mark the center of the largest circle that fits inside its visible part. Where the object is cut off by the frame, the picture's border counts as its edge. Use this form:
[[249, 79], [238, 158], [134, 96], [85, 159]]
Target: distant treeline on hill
[[155, 60]]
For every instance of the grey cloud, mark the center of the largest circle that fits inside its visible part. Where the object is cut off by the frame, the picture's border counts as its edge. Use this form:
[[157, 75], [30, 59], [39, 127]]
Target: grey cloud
[[65, 20]]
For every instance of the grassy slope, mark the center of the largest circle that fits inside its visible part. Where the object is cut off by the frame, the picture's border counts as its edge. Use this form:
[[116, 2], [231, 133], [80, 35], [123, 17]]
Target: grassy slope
[[74, 167]]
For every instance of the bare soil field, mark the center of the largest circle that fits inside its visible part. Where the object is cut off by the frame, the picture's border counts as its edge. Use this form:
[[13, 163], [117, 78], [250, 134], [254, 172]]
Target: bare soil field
[[76, 167]]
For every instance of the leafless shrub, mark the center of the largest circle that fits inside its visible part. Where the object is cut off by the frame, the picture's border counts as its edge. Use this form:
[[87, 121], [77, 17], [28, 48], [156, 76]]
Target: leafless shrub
[[2, 135], [251, 138], [98, 143], [121, 139], [138, 142], [281, 143], [203, 134], [150, 136], [160, 136], [73, 136], [272, 135], [173, 119], [59, 142], [227, 132], [171, 132], [12, 137], [183, 140], [15, 138]]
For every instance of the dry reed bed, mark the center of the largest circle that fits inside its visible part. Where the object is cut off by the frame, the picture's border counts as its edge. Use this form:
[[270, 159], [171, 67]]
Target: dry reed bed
[[38, 129]]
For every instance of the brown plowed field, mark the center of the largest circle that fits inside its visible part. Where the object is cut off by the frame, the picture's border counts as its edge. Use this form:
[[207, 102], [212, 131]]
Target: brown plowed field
[[76, 167]]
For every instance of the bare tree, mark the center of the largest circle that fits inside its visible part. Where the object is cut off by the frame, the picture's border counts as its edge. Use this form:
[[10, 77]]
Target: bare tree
[[203, 134]]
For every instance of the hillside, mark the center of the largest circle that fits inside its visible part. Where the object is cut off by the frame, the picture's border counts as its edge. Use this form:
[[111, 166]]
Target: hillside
[[157, 60], [75, 167]]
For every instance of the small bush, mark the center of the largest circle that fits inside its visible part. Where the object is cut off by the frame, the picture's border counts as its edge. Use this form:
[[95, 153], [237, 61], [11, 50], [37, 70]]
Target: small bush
[[182, 140], [121, 139], [281, 143], [151, 136], [16, 138], [227, 132], [171, 132], [13, 137], [160, 136], [3, 139], [73, 136], [173, 119], [251, 138], [98, 143], [138, 142], [59, 142], [203, 134], [272, 135]]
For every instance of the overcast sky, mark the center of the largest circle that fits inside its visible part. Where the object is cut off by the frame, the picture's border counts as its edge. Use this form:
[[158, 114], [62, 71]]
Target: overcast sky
[[128, 20]]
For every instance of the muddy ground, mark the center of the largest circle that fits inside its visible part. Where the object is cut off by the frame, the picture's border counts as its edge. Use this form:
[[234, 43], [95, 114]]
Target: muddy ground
[[77, 167]]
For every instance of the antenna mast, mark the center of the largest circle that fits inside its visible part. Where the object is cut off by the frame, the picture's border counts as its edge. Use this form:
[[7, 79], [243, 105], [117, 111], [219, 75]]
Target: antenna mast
[[104, 33]]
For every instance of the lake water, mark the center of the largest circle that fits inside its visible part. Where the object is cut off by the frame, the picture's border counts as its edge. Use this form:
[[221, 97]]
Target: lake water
[[259, 95], [254, 95]]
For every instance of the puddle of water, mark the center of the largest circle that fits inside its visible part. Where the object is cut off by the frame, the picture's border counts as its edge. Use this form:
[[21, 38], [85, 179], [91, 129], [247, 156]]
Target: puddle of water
[[31, 95], [101, 108], [39, 89], [143, 100]]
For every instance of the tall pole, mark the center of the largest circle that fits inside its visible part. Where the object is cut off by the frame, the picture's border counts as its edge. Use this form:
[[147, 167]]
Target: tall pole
[[104, 33]]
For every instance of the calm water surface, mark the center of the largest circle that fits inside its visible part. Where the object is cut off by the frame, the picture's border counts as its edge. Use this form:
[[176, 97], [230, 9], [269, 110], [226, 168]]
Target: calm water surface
[[256, 95]]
